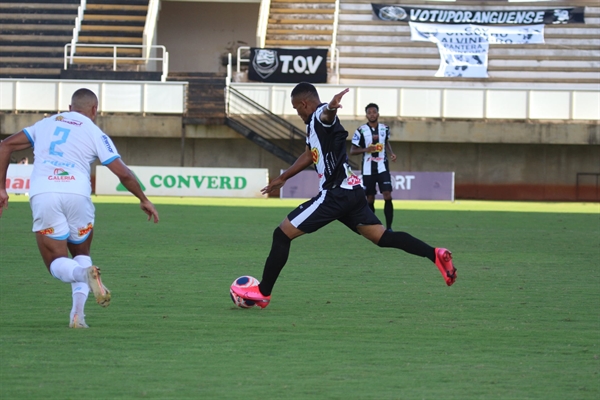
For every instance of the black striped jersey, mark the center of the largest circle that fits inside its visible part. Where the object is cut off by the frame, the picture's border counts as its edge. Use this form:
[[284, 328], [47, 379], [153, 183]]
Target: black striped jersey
[[377, 162], [327, 144]]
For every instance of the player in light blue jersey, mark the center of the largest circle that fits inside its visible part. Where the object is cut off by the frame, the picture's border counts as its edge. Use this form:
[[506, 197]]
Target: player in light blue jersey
[[65, 145]]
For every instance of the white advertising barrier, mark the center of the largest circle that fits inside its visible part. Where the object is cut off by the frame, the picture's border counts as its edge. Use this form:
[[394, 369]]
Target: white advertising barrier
[[188, 182], [18, 178], [405, 185]]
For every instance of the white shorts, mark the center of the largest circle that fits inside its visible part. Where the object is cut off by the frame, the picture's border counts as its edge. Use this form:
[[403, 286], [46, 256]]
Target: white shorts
[[63, 216]]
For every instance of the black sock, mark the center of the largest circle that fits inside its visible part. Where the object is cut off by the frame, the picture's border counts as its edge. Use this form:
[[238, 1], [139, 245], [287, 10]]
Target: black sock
[[280, 249], [372, 207], [408, 243], [388, 211]]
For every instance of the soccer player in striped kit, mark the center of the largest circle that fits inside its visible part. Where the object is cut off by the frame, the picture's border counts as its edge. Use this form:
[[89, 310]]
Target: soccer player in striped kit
[[341, 197], [372, 140]]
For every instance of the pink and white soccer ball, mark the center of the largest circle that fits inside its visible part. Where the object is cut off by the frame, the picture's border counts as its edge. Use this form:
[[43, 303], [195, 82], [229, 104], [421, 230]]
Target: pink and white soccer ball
[[243, 282]]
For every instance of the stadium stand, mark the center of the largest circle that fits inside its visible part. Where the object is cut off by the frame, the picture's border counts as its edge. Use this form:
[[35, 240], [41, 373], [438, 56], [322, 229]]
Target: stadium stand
[[205, 97], [300, 24], [380, 52], [32, 36], [111, 22]]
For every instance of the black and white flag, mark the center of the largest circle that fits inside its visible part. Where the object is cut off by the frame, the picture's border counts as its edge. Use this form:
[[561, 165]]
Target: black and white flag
[[401, 13], [288, 65]]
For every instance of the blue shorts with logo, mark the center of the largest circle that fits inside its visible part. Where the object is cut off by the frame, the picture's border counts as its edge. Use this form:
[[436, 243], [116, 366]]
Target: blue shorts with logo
[[349, 206]]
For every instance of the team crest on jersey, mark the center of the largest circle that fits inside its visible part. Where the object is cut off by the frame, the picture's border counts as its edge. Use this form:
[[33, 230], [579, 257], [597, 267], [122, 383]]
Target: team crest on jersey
[[86, 230], [47, 231], [315, 155]]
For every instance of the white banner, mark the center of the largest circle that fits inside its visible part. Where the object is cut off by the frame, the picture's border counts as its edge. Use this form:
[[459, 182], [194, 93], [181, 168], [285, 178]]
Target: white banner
[[464, 48], [184, 182], [18, 178]]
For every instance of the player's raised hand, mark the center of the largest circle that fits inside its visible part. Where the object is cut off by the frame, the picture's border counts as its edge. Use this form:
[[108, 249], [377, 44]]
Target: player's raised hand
[[335, 103]]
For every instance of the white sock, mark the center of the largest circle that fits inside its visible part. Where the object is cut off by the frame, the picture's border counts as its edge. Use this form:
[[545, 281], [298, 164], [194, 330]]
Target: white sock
[[83, 261], [79, 299], [80, 289], [63, 268]]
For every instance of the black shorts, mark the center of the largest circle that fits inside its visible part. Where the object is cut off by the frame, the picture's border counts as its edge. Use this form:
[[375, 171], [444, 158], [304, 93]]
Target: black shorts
[[347, 206], [383, 179]]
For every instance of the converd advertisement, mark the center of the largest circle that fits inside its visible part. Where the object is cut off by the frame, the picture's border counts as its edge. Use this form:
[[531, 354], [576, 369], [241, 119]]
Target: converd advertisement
[[188, 182]]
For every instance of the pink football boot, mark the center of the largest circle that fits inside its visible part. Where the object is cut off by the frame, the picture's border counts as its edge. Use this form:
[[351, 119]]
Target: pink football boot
[[252, 293], [443, 260]]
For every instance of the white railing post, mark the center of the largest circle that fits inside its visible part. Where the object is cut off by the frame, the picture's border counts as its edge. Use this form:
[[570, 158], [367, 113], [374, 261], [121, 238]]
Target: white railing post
[[334, 50], [80, 14], [263, 22], [150, 27], [228, 78], [114, 58], [239, 55], [165, 65]]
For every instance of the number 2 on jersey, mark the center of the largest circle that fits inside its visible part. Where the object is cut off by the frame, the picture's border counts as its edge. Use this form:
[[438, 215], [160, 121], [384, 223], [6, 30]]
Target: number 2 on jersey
[[64, 134]]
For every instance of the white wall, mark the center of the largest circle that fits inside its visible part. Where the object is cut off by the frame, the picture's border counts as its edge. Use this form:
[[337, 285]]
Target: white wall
[[197, 34]]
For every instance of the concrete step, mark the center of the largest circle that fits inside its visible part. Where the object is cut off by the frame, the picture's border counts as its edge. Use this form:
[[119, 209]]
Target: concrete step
[[109, 40], [303, 9], [104, 17], [297, 43], [85, 29], [30, 71], [371, 62], [427, 71], [35, 38], [300, 37], [116, 7], [107, 51]]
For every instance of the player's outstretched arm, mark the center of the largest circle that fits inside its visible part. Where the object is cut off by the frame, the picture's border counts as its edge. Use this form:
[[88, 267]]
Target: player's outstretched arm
[[16, 142], [299, 165], [328, 115], [130, 182]]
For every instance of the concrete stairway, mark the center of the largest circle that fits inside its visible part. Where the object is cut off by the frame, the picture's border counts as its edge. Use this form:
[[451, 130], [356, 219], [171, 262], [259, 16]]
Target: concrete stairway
[[300, 24], [205, 97], [112, 22], [33, 34], [381, 52]]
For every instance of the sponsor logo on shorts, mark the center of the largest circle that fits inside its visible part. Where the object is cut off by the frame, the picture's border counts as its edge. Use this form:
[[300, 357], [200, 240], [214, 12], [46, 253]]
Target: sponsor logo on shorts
[[351, 178], [47, 231], [60, 118], [107, 143], [60, 175], [86, 230]]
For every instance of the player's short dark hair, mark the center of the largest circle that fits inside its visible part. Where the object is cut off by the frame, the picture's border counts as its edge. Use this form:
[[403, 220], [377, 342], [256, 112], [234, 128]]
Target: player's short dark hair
[[83, 96], [372, 105], [305, 89]]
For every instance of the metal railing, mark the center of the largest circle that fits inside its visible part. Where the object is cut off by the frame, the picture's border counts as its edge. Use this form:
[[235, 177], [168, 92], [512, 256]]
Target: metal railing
[[269, 125], [257, 120], [263, 127], [69, 59]]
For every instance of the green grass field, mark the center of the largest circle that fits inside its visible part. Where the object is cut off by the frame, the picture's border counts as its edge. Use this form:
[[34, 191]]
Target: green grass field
[[347, 320]]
